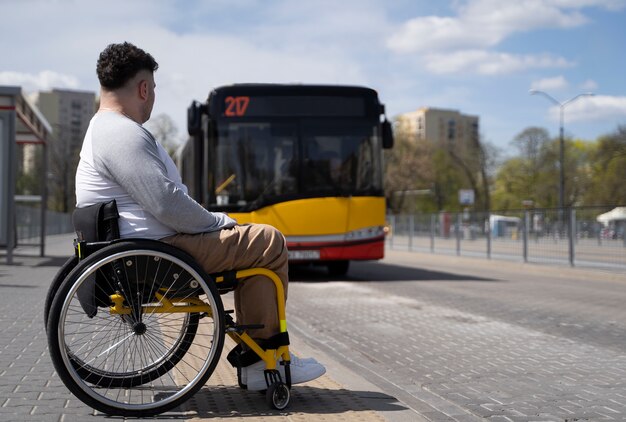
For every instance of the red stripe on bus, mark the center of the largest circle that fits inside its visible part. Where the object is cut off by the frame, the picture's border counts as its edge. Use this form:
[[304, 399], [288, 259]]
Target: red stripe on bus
[[359, 251]]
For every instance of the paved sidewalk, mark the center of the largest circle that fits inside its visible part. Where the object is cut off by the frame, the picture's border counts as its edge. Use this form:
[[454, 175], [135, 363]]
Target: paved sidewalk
[[31, 391]]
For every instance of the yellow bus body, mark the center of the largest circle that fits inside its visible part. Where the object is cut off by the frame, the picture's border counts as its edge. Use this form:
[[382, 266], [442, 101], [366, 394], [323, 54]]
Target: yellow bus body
[[330, 228]]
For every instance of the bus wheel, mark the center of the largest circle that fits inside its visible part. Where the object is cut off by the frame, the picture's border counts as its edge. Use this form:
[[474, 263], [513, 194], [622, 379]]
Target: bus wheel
[[338, 268]]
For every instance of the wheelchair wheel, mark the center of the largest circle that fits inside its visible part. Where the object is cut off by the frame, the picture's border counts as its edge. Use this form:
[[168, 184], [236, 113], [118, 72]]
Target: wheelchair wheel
[[277, 396], [67, 267], [152, 345]]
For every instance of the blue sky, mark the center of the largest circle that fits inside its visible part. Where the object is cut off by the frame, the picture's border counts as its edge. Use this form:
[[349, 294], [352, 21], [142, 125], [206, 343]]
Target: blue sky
[[478, 56]]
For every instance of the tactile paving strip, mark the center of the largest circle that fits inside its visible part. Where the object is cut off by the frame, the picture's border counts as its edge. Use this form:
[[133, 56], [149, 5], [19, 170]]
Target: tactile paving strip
[[321, 400]]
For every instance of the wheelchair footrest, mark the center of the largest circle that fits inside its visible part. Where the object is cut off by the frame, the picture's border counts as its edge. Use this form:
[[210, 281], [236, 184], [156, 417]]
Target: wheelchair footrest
[[232, 327], [242, 328]]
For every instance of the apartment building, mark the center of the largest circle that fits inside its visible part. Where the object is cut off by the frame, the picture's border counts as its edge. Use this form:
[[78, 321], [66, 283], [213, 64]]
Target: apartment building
[[443, 127], [69, 113]]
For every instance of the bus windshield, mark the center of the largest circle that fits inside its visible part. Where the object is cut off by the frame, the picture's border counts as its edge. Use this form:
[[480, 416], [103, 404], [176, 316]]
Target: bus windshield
[[340, 158], [258, 163]]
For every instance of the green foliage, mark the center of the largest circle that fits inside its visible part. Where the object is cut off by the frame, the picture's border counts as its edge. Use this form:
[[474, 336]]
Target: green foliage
[[28, 184], [578, 159], [536, 177], [607, 170], [421, 176], [29, 177], [510, 187], [595, 172], [447, 181]]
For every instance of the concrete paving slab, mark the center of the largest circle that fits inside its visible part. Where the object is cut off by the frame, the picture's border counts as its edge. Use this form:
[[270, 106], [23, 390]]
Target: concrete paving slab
[[31, 390]]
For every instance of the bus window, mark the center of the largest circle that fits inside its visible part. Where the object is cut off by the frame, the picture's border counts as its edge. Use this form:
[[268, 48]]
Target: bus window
[[261, 156], [340, 158]]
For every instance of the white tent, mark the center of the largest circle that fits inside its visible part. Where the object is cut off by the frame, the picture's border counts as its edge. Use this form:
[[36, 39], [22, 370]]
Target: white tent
[[615, 214]]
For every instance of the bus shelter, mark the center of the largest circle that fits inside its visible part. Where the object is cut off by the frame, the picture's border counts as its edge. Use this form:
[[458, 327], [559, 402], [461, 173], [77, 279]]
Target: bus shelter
[[23, 158]]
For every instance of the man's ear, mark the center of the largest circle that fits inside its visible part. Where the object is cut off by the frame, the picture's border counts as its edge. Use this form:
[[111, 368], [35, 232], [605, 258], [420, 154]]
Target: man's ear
[[143, 89]]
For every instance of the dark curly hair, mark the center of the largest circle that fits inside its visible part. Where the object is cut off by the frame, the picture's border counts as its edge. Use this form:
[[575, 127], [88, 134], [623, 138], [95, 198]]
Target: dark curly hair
[[118, 63]]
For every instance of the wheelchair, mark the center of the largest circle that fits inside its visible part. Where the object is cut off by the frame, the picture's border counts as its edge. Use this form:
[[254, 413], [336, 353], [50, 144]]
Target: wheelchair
[[135, 327]]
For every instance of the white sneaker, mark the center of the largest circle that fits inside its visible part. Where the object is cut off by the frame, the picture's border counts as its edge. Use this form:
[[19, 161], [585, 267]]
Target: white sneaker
[[302, 370], [292, 359]]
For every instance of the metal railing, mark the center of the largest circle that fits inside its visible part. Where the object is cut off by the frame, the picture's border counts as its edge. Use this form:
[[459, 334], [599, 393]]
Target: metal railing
[[28, 223], [559, 236]]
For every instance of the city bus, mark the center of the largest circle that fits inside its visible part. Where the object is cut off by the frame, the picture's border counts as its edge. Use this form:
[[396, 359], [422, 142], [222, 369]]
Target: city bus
[[306, 159]]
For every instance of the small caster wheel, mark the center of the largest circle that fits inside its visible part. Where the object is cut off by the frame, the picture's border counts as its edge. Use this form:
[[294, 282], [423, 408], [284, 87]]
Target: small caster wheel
[[277, 396]]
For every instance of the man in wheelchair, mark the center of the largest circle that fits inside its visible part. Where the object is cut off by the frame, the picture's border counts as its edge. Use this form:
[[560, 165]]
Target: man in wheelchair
[[121, 160]]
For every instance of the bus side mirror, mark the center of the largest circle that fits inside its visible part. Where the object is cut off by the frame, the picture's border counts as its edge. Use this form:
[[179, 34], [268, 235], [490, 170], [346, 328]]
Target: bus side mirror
[[387, 134], [194, 118]]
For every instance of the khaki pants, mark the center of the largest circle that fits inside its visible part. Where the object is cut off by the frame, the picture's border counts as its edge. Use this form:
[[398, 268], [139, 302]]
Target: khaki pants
[[238, 248]]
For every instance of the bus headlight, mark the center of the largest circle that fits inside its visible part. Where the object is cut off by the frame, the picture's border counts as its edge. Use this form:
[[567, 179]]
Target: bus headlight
[[365, 233]]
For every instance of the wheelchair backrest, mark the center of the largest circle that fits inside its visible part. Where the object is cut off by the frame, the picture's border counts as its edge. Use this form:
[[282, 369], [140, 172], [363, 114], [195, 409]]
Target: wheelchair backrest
[[97, 223]]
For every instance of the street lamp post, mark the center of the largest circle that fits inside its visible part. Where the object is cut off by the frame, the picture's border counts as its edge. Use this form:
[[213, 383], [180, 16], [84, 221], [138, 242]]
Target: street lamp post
[[561, 106]]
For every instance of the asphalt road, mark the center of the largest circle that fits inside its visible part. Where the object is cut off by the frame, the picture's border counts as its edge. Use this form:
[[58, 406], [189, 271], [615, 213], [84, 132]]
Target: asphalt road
[[463, 339]]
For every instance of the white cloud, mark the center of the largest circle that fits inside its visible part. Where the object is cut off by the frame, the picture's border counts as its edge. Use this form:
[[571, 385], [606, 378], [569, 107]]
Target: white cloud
[[613, 5], [550, 84], [593, 109], [185, 75], [452, 44], [44, 80], [323, 41], [194, 58], [484, 23], [589, 85], [433, 33], [489, 63]]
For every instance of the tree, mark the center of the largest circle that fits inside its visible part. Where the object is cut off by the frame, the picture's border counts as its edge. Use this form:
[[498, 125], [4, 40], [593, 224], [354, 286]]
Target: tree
[[530, 143], [437, 172], [608, 170], [534, 175], [407, 168], [489, 156], [447, 180], [63, 154], [508, 185], [578, 159], [545, 186], [536, 162], [30, 164], [165, 131], [474, 162], [531, 175]]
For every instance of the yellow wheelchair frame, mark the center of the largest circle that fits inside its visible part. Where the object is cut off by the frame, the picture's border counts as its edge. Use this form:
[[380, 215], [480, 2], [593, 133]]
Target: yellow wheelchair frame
[[169, 306]]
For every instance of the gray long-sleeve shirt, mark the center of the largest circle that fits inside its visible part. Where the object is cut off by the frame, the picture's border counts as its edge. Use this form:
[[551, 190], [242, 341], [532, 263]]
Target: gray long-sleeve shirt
[[120, 159]]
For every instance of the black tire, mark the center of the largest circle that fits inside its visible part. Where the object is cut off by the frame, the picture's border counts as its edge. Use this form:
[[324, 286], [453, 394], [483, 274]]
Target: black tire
[[140, 364], [277, 396], [56, 283], [338, 268]]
